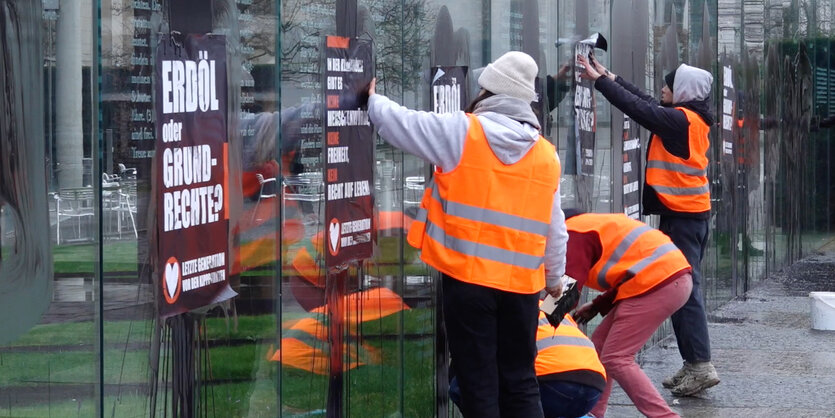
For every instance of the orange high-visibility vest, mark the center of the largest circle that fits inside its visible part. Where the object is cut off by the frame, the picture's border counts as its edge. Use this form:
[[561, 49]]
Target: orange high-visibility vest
[[634, 255], [681, 185], [304, 347], [564, 349], [486, 222]]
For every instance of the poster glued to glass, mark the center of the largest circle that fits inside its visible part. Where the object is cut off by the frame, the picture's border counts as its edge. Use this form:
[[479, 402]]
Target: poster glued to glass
[[631, 168], [191, 164], [729, 109], [449, 89], [348, 150], [585, 118]]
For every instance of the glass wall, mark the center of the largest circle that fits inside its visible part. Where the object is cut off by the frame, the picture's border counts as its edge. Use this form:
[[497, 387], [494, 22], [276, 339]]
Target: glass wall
[[50, 242], [164, 223]]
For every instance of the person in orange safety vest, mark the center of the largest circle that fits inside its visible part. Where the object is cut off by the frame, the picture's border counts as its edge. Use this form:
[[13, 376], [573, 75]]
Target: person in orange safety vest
[[676, 187], [571, 377], [644, 278], [491, 223]]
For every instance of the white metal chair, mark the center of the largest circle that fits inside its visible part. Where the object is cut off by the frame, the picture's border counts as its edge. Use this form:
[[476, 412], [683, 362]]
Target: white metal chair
[[267, 192], [306, 187], [127, 172], [109, 180], [117, 199], [125, 206], [73, 203]]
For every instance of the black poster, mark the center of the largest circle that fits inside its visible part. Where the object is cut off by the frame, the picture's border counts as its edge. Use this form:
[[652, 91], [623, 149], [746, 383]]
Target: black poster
[[348, 151], [449, 89], [584, 114], [191, 169], [728, 110], [631, 168]]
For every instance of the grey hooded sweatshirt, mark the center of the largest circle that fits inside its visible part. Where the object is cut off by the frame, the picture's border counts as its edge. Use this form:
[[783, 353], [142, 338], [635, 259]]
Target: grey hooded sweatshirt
[[511, 129]]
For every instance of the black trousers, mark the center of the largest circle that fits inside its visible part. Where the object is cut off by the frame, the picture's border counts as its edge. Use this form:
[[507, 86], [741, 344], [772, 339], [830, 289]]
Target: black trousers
[[690, 321], [492, 342]]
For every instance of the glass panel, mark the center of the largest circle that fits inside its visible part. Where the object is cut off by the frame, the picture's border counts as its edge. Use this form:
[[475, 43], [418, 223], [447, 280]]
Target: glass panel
[[127, 122], [79, 218], [218, 357], [308, 324], [49, 218]]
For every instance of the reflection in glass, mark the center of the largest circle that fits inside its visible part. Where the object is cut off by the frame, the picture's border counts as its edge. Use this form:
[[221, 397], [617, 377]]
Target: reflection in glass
[[269, 348]]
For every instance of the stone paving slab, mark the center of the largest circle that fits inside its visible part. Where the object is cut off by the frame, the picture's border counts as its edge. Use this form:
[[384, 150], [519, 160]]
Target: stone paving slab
[[772, 364]]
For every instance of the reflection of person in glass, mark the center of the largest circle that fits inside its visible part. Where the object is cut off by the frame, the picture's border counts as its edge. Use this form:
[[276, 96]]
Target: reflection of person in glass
[[675, 187], [259, 153], [491, 223], [557, 86]]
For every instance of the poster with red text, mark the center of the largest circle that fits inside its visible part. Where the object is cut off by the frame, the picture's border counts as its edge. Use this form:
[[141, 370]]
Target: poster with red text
[[191, 164], [348, 151]]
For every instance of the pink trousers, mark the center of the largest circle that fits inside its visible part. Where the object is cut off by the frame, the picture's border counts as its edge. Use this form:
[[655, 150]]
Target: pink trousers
[[623, 332]]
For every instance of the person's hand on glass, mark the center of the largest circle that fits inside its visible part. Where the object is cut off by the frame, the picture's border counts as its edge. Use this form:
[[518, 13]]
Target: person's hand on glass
[[584, 313], [372, 87], [562, 74], [590, 73]]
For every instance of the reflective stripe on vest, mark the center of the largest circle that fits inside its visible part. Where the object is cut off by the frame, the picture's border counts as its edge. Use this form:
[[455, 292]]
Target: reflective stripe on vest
[[486, 222], [482, 251], [477, 214], [634, 256], [620, 250], [421, 215], [563, 340], [483, 215], [564, 349], [681, 185], [682, 191], [681, 168], [544, 321]]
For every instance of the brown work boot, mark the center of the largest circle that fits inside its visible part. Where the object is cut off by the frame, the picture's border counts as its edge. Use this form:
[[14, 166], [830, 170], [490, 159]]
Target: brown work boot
[[675, 379], [698, 377]]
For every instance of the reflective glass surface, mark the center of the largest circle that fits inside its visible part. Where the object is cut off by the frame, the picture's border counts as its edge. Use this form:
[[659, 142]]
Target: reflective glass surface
[[83, 134]]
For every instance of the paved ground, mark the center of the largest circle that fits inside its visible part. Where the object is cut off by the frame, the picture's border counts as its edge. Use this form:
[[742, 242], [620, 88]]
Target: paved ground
[[772, 364]]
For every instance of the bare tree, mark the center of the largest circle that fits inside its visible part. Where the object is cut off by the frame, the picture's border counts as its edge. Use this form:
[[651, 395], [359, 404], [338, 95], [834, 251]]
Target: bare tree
[[397, 29]]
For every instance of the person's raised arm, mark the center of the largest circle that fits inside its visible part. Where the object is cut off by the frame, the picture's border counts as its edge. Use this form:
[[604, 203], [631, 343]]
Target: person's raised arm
[[636, 91], [437, 138], [557, 86], [625, 84], [666, 122]]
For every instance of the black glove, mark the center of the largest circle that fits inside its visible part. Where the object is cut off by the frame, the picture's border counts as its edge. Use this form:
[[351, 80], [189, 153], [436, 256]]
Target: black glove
[[567, 301]]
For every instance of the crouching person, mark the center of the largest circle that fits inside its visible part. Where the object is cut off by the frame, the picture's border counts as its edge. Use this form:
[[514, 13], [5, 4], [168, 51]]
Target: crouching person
[[571, 377]]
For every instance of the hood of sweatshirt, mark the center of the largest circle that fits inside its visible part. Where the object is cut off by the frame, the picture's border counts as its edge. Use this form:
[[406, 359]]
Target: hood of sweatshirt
[[691, 84], [510, 126]]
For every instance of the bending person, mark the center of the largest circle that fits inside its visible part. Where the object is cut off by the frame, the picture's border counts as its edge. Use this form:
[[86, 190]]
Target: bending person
[[491, 223], [644, 279], [675, 187]]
